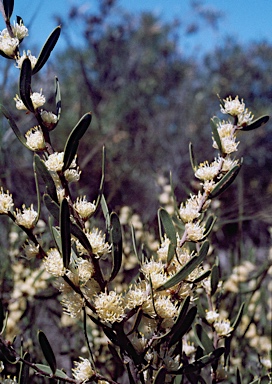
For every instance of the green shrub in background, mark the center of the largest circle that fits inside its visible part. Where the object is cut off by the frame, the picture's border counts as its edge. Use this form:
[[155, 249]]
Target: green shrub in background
[[160, 315]]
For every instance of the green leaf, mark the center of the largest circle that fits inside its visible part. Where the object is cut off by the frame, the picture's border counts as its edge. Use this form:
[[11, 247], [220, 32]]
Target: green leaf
[[203, 361], [209, 225], [170, 233], [201, 277], [13, 126], [52, 206], [101, 187], [38, 193], [184, 326], [65, 232], [81, 236], [106, 212], [116, 240], [194, 262], [47, 49], [205, 342], [134, 242], [226, 181], [42, 170], [238, 318], [58, 373], [214, 123], [72, 142], [238, 376], [180, 318], [25, 84], [2, 317], [8, 7], [57, 98], [192, 157], [24, 370], [47, 351], [160, 376], [214, 279], [255, 124]]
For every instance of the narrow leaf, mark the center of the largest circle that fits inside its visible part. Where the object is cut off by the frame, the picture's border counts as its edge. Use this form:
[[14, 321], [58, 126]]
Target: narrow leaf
[[134, 242], [192, 157], [203, 361], [65, 232], [106, 212], [72, 142], [13, 125], [52, 206], [170, 233], [238, 317], [58, 373], [8, 7], [216, 137], [185, 326], [47, 49], [206, 342], [47, 351], [2, 316], [255, 124], [194, 262], [214, 279], [209, 225], [41, 169], [238, 377], [81, 236], [101, 187], [226, 181], [38, 193], [25, 84], [160, 376], [24, 370], [57, 98], [201, 277], [116, 240]]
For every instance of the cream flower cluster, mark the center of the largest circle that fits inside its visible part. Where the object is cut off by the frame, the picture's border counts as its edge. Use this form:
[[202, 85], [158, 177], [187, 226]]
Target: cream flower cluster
[[37, 98], [6, 201], [53, 263], [110, 307], [20, 59], [9, 44], [84, 207], [97, 241], [27, 217], [55, 163], [83, 370], [35, 139]]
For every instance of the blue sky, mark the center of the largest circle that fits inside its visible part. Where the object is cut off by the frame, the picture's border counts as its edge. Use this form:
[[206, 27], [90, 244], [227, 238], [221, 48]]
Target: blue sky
[[243, 20]]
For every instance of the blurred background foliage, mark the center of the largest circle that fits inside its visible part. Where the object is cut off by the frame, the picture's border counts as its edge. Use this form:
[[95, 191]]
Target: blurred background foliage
[[149, 100]]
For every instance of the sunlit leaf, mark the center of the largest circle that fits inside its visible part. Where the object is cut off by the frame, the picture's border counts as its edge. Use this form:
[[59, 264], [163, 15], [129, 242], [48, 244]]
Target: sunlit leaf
[[58, 373], [193, 263], [47, 49], [170, 233], [25, 84], [214, 124], [65, 232], [72, 142], [47, 351], [226, 181]]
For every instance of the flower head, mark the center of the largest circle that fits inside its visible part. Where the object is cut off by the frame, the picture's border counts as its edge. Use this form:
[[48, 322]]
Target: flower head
[[212, 316], [55, 162], [165, 308], [20, 59], [195, 231], [207, 171], [49, 119], [35, 139], [31, 250], [19, 103], [83, 370], [97, 241], [27, 217], [233, 107], [85, 270], [8, 44], [84, 207], [109, 307], [20, 30], [38, 99], [6, 201], [223, 328], [72, 175], [72, 304], [53, 263]]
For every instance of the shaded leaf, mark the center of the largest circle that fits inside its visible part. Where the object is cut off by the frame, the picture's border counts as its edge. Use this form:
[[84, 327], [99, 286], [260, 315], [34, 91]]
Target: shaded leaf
[[209, 225], [52, 206], [203, 361], [8, 7], [24, 370], [170, 232], [194, 262], [47, 49], [184, 326], [38, 193], [58, 373], [201, 277], [214, 279], [238, 377], [72, 142], [42, 170], [47, 351], [255, 124], [13, 125], [57, 98], [192, 157], [101, 187], [65, 232], [160, 376], [226, 181], [81, 236], [106, 213], [238, 317], [205, 342], [214, 124], [117, 245], [25, 84]]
